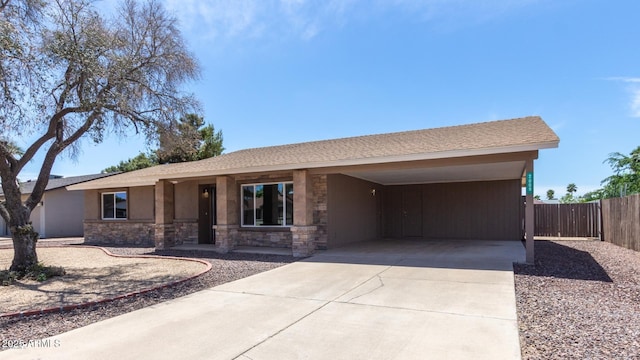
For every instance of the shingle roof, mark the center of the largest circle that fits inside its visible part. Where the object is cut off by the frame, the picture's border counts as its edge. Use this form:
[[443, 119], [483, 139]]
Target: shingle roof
[[56, 183], [522, 134]]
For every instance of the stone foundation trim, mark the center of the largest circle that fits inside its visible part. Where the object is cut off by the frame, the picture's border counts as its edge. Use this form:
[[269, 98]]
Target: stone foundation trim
[[129, 232], [165, 236], [186, 232], [265, 237], [226, 236], [303, 240]]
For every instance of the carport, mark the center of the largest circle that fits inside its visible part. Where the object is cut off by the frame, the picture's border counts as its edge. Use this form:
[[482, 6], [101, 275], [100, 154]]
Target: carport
[[474, 194], [430, 200]]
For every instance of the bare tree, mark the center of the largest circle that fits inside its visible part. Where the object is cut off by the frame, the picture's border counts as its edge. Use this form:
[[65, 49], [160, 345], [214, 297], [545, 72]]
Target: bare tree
[[69, 73]]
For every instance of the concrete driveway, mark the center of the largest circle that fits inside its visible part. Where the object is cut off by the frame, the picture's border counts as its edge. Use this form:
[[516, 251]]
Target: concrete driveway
[[383, 300]]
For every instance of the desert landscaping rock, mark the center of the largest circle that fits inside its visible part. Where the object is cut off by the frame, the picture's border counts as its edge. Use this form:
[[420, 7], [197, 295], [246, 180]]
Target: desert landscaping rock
[[580, 301]]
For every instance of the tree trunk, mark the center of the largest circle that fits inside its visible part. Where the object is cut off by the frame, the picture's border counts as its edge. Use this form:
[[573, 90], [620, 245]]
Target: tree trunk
[[24, 247]]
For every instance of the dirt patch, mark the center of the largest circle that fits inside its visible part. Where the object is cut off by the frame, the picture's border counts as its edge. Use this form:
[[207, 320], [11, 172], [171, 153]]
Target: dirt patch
[[91, 275]]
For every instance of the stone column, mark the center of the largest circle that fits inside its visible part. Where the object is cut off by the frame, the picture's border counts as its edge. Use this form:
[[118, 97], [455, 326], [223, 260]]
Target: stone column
[[227, 212], [164, 228], [303, 231]]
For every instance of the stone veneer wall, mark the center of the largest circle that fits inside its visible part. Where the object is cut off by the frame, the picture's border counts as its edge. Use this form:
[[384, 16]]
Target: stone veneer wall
[[264, 237], [320, 210], [186, 232], [119, 232]]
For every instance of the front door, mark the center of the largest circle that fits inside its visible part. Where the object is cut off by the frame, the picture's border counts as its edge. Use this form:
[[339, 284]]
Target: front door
[[207, 214], [411, 213]]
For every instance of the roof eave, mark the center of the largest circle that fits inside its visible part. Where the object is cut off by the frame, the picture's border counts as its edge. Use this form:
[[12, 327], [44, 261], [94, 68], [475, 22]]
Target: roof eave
[[151, 180], [89, 186], [369, 161]]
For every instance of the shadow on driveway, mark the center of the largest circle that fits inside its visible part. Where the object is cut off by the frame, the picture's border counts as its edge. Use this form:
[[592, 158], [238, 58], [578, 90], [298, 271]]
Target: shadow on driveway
[[445, 254]]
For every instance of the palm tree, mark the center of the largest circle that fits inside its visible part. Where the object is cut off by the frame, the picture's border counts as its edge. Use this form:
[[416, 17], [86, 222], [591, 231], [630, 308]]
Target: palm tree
[[550, 194], [572, 188], [11, 147]]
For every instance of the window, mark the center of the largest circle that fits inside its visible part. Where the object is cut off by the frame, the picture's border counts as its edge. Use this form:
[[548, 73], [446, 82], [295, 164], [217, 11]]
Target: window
[[267, 204], [114, 205]]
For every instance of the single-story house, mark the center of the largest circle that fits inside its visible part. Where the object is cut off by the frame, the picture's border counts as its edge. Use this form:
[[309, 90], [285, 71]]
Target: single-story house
[[60, 213], [459, 182]]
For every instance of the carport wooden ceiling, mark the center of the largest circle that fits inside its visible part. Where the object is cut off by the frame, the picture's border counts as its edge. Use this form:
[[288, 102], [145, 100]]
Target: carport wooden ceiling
[[457, 173]]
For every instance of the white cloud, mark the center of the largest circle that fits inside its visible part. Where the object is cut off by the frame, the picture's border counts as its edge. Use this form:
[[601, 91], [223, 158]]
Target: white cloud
[[557, 126], [634, 90], [624, 79], [635, 102], [305, 19]]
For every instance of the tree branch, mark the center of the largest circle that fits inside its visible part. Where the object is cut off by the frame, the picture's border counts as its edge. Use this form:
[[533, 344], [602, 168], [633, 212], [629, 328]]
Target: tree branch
[[56, 148], [50, 134]]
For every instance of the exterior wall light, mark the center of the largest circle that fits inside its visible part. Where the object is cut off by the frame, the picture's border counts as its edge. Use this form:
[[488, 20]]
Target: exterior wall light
[[205, 193]]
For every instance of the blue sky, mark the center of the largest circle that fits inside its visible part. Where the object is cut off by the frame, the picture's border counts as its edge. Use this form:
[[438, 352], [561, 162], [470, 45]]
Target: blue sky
[[285, 71]]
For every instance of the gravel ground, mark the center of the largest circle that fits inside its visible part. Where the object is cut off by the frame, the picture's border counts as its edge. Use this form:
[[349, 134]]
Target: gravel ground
[[580, 301], [225, 268]]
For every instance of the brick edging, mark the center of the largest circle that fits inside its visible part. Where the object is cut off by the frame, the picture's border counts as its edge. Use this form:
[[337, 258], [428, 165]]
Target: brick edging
[[66, 308]]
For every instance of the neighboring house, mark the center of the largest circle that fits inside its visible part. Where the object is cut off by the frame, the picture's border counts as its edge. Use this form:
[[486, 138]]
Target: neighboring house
[[547, 201], [460, 182], [60, 212]]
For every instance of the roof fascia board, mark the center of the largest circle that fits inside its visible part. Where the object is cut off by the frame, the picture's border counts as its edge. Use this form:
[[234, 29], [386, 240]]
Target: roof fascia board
[[89, 186], [151, 180]]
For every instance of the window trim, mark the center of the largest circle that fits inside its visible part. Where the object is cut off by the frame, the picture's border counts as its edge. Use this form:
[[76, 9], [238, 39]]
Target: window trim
[[115, 213], [284, 205]]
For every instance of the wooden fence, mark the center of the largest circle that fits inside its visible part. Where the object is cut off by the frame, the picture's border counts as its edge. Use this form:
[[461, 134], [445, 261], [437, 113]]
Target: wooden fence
[[621, 221], [567, 220]]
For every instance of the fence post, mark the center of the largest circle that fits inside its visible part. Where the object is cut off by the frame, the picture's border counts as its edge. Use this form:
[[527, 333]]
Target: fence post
[[599, 217], [529, 215]]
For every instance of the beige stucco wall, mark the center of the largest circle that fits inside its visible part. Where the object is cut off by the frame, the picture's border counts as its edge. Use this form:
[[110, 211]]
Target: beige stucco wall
[[36, 216], [141, 202], [63, 213], [186, 200], [91, 205], [353, 211], [60, 214]]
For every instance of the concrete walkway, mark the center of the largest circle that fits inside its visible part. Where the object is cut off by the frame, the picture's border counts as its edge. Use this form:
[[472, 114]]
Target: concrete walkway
[[384, 300]]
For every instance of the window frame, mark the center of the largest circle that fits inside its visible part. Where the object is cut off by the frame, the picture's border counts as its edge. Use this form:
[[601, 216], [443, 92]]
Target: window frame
[[284, 205], [115, 211]]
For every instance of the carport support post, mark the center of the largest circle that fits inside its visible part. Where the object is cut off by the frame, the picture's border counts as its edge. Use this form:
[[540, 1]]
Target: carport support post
[[164, 229], [529, 220], [227, 213], [303, 233]]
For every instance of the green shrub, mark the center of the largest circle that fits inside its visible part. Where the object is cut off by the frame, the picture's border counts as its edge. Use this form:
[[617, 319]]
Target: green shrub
[[38, 272], [7, 277]]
